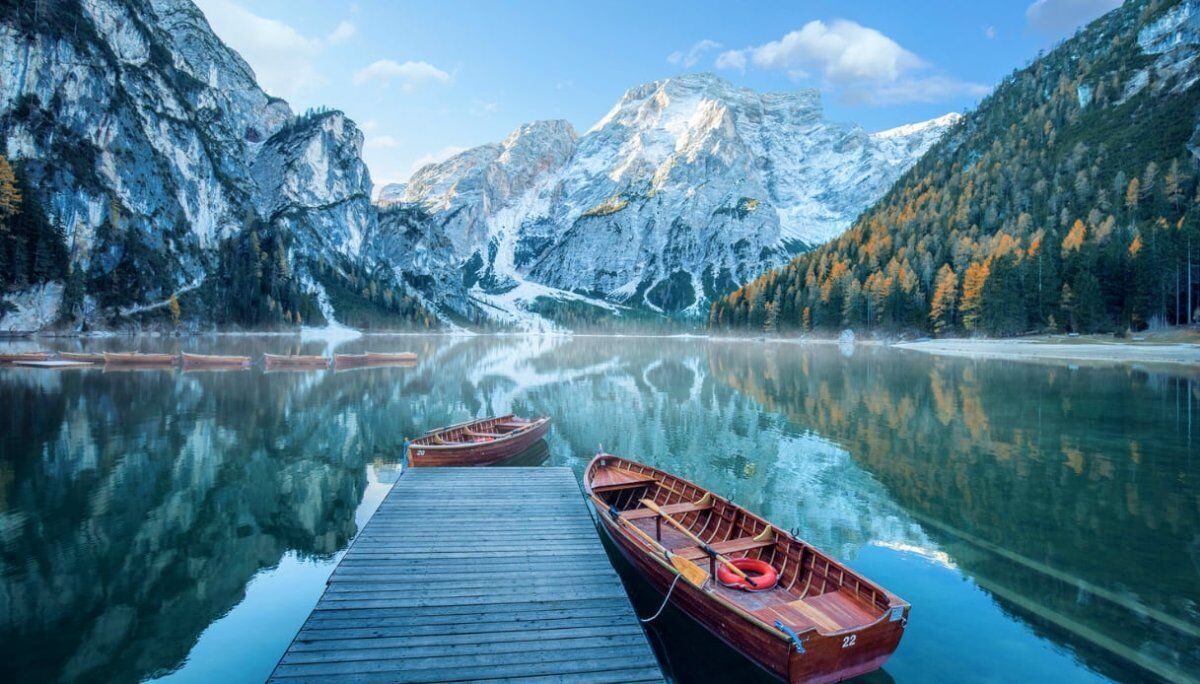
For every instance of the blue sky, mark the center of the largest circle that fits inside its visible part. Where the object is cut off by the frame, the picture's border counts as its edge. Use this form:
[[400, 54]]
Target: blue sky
[[426, 79]]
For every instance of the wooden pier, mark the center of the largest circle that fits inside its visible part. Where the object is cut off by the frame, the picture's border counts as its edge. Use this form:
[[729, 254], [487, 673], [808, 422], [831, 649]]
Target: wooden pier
[[470, 574]]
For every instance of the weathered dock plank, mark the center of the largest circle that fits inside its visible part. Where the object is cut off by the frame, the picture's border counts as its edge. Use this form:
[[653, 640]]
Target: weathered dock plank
[[474, 574]]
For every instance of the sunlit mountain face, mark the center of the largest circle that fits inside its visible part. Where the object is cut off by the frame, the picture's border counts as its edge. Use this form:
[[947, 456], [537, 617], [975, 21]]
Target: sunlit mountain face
[[179, 524]]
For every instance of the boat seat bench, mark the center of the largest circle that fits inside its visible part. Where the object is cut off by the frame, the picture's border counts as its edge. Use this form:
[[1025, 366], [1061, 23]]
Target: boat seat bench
[[669, 509], [729, 546]]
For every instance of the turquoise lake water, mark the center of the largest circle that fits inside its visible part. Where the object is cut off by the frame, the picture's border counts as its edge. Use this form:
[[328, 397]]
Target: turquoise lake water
[[1043, 520]]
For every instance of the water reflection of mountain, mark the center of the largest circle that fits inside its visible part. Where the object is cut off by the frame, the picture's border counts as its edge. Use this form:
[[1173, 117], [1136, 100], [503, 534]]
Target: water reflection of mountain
[[136, 506], [1071, 495]]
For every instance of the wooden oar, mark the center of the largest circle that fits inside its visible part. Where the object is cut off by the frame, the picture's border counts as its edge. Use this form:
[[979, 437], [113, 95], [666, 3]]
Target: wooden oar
[[691, 572], [703, 544]]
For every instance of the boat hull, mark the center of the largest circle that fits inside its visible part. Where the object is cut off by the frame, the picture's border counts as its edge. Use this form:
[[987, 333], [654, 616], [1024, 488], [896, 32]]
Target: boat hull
[[480, 454]]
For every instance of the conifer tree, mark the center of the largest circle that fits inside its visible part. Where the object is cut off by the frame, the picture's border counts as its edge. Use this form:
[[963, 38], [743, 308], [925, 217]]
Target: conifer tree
[[972, 296], [945, 297]]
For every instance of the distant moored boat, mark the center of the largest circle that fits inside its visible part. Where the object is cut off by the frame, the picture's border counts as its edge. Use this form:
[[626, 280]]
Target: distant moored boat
[[295, 361], [25, 356], [399, 357], [207, 361], [477, 442]]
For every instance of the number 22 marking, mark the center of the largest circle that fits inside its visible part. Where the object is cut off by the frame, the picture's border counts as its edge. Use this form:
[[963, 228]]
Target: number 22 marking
[[848, 641]]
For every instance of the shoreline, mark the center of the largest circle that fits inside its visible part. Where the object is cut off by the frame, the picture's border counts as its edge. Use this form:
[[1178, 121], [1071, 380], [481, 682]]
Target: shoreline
[[1066, 350], [1177, 348]]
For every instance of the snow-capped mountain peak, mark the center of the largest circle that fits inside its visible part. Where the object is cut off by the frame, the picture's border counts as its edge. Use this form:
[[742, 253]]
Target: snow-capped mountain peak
[[688, 186]]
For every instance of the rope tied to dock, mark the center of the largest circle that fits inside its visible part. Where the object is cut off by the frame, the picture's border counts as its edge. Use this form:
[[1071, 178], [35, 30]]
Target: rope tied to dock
[[666, 599]]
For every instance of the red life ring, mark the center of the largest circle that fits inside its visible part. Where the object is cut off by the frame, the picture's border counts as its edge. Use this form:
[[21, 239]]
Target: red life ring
[[762, 573]]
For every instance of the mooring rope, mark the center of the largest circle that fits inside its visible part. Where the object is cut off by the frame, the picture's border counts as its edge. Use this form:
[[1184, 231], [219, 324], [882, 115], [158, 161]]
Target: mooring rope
[[666, 599]]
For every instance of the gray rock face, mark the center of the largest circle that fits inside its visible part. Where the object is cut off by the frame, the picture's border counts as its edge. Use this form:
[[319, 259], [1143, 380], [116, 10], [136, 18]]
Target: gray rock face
[[137, 105], [687, 187]]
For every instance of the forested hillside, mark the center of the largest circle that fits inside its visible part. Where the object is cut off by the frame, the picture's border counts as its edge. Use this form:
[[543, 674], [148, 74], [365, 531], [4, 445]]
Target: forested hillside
[[1066, 201], [32, 249]]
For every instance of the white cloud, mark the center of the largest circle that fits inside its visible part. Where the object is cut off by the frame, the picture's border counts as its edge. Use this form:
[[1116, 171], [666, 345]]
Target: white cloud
[[842, 50], [1062, 17], [857, 62], [732, 59], [689, 59], [408, 74], [344, 31], [284, 60], [434, 157], [380, 142]]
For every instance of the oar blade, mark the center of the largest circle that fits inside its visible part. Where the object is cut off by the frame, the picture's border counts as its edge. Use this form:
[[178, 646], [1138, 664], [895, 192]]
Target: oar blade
[[694, 574]]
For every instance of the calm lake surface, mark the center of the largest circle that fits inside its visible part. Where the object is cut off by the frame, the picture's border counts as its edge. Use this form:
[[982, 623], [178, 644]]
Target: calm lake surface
[[1043, 520]]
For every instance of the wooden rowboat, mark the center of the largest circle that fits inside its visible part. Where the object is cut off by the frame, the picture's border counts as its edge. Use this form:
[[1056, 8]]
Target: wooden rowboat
[[350, 360], [381, 357], [138, 359], [82, 357], [476, 442], [14, 357], [207, 361], [294, 361], [820, 621]]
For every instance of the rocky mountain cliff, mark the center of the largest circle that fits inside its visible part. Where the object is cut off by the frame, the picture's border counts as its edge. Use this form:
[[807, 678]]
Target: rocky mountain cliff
[[149, 141], [688, 187]]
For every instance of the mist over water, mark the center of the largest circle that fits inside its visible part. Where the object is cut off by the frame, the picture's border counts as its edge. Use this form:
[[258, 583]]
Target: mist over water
[[1043, 520]]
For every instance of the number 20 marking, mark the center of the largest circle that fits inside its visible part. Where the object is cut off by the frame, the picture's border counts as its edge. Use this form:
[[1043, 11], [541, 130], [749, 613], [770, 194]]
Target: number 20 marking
[[848, 641]]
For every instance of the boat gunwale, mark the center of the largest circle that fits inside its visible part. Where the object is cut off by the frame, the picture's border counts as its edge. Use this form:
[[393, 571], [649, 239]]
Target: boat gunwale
[[893, 600], [452, 446]]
